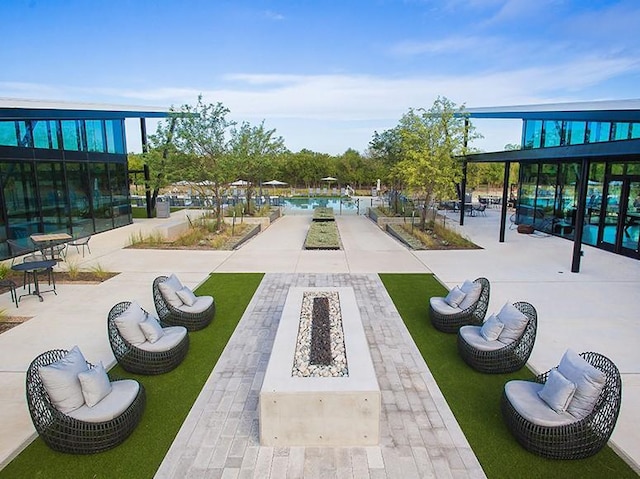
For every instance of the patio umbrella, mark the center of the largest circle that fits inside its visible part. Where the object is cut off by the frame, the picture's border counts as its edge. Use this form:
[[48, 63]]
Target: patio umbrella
[[239, 183], [274, 183], [329, 179]]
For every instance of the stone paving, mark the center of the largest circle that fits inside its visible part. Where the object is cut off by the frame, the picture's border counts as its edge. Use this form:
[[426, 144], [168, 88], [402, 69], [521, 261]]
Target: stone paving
[[420, 438]]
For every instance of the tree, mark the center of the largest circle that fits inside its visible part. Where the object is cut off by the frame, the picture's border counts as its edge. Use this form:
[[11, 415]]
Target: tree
[[386, 147]]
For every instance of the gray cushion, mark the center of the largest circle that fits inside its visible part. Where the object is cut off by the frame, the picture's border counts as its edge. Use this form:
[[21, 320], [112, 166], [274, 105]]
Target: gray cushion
[[171, 337], [169, 289], [491, 328], [473, 337], [60, 380], [523, 396], [472, 291], [202, 304], [455, 297], [557, 391], [186, 296], [128, 324], [588, 379], [514, 323], [439, 305], [95, 384], [151, 329], [122, 395]]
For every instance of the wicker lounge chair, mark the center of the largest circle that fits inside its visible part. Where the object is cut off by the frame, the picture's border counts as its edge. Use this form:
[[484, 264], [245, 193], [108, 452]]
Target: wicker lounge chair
[[187, 316], [494, 356], [145, 358], [64, 433], [574, 439], [449, 319]]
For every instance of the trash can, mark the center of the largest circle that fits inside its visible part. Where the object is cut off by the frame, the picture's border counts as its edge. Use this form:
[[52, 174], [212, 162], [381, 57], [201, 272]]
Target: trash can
[[162, 208]]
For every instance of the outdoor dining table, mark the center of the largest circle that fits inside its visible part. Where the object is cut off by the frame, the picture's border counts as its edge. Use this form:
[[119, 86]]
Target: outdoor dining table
[[48, 241], [33, 267]]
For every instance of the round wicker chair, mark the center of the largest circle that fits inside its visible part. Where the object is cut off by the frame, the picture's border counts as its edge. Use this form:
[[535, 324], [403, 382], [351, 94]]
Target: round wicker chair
[[511, 357], [577, 440], [474, 314], [176, 317], [66, 434], [139, 361]]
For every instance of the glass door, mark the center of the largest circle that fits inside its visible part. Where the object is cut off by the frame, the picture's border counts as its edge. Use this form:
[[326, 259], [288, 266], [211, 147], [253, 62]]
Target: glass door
[[631, 227], [620, 224], [609, 221]]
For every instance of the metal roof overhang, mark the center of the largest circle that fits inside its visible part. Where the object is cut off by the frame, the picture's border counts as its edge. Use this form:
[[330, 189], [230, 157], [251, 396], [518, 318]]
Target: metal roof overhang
[[18, 109], [618, 149]]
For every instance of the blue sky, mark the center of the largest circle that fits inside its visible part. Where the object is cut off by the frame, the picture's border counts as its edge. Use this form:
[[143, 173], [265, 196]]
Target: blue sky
[[324, 73]]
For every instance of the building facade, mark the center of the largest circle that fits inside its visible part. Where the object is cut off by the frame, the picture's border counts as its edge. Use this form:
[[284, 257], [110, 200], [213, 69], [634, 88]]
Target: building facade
[[579, 175], [63, 169]]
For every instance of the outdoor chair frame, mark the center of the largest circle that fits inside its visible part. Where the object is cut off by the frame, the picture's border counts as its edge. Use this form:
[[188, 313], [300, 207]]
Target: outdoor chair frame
[[66, 434], [577, 440], [511, 357], [176, 317], [474, 314], [139, 361]]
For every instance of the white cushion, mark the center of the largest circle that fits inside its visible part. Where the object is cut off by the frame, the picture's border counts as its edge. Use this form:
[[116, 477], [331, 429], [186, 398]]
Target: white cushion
[[202, 303], [95, 384], [169, 289], [128, 324], [514, 323], [588, 379], [557, 391], [472, 336], [186, 296], [455, 297], [122, 395], [491, 328], [472, 291], [440, 306], [523, 396], [61, 381], [171, 336], [151, 329]]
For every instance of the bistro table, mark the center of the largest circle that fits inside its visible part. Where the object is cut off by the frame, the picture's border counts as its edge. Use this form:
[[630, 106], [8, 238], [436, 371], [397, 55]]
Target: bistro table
[[33, 268], [49, 241]]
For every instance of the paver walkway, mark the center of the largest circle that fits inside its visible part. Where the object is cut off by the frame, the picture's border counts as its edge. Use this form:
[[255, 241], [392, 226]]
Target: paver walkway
[[419, 435]]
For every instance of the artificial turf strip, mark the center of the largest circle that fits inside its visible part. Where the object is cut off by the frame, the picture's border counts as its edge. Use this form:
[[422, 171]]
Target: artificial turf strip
[[169, 399], [474, 397]]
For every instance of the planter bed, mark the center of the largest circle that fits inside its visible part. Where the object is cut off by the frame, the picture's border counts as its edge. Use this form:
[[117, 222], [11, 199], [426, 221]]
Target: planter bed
[[323, 235]]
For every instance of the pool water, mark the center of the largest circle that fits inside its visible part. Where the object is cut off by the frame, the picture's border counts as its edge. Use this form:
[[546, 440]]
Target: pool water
[[301, 204]]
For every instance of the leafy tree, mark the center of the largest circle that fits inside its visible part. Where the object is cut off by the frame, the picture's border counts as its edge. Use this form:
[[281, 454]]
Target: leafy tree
[[386, 147]]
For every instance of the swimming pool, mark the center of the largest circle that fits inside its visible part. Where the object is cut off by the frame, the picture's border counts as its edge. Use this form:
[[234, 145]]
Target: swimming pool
[[309, 203]]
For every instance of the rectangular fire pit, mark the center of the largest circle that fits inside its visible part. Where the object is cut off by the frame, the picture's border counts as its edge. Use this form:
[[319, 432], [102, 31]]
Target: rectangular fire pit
[[320, 411]]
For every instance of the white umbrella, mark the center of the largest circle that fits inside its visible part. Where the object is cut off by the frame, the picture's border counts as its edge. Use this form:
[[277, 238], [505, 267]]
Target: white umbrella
[[329, 178], [240, 183], [274, 183]]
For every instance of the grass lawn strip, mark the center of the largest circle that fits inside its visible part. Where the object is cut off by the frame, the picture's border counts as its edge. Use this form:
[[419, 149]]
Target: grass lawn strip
[[169, 399], [474, 398]]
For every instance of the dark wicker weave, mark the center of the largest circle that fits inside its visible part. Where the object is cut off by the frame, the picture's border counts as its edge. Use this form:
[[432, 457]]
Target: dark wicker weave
[[175, 317], [474, 314], [66, 434], [578, 440], [508, 359], [139, 361]]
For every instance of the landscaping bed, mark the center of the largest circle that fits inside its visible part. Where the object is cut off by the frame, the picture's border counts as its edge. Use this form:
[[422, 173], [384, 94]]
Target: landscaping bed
[[323, 235], [434, 237]]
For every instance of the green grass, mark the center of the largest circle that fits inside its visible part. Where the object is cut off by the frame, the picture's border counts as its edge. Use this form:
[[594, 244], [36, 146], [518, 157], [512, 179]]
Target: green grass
[[474, 397], [322, 235], [169, 398]]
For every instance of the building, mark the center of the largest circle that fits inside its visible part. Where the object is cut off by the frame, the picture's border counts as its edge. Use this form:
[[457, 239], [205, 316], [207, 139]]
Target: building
[[579, 172], [63, 169]]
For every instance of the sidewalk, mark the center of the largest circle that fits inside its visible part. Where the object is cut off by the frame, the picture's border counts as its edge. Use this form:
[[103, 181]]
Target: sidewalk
[[592, 310]]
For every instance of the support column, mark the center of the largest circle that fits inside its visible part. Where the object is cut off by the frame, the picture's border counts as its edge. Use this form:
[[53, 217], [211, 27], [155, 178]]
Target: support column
[[505, 199], [579, 226], [147, 178]]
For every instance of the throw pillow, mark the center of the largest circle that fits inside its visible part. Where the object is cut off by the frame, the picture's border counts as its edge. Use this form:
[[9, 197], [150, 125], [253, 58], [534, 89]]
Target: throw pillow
[[514, 323], [472, 291], [186, 296], [151, 329], [454, 298], [491, 328], [61, 381], [588, 379], [95, 384], [557, 391], [128, 324], [169, 289]]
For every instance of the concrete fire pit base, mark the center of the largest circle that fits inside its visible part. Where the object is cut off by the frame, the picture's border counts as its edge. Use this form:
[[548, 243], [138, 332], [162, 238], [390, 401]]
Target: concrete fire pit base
[[320, 411]]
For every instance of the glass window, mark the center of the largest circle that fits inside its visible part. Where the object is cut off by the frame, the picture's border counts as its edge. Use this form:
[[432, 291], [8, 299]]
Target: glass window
[[620, 131], [79, 198], [101, 197], [633, 168], [598, 131], [115, 136], [71, 135], [19, 189], [120, 192], [527, 194], [617, 168], [43, 136], [25, 139], [95, 135], [575, 132], [552, 133], [564, 221], [635, 130], [8, 136], [53, 197], [532, 134]]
